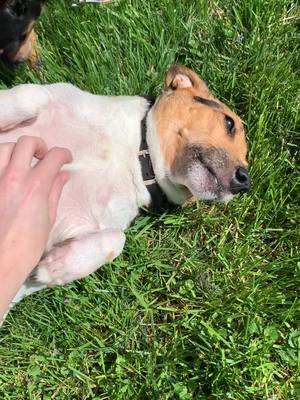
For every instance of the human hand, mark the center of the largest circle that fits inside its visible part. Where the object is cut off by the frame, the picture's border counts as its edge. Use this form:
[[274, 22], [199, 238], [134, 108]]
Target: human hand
[[28, 199]]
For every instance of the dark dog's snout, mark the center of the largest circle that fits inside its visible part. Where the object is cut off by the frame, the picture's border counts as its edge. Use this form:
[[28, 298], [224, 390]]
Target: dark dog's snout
[[241, 181]]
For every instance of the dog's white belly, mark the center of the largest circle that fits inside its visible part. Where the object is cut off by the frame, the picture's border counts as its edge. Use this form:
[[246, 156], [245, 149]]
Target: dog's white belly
[[100, 192], [90, 202]]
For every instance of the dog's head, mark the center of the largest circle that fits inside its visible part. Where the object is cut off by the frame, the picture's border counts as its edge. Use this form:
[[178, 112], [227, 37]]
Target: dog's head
[[17, 18], [201, 140]]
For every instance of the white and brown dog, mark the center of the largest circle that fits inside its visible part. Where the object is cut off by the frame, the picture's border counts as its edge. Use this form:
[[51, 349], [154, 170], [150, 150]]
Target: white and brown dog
[[194, 143]]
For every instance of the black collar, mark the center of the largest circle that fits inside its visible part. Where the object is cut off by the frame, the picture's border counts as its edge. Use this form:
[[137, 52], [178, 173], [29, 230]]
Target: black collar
[[159, 201]]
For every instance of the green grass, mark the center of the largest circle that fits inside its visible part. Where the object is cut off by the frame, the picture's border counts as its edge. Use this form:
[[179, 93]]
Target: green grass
[[204, 302]]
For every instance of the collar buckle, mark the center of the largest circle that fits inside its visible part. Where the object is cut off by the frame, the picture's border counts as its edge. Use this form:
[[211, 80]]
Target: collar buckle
[[144, 153]]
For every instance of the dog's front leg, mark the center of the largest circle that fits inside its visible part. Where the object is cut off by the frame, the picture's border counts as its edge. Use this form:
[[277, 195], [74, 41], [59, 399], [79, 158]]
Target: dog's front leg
[[21, 104], [77, 258]]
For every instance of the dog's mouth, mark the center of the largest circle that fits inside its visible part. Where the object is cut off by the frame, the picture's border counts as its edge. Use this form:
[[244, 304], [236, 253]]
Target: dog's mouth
[[208, 184], [205, 183], [204, 171], [214, 176], [210, 173]]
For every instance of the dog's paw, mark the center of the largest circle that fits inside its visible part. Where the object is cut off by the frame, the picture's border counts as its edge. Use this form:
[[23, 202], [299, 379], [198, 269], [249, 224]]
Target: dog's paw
[[77, 258], [53, 269]]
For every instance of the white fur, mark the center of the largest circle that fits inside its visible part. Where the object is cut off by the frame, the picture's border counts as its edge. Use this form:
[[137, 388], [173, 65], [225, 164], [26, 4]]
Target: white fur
[[175, 191]]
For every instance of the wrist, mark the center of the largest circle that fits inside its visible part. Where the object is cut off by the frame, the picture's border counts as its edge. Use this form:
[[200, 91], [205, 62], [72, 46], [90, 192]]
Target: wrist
[[13, 272]]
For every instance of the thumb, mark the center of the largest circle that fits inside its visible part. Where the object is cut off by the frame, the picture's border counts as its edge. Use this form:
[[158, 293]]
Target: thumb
[[55, 192]]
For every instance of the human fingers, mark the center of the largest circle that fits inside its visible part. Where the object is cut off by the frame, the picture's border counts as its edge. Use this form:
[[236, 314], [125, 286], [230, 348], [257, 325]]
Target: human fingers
[[6, 150], [55, 193], [54, 160], [25, 149]]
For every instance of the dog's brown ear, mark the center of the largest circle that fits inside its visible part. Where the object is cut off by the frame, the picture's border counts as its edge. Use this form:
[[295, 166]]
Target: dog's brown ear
[[180, 77]]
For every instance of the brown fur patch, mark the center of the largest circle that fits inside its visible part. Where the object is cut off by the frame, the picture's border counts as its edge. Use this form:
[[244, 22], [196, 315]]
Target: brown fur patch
[[34, 56], [111, 256], [181, 120], [28, 45]]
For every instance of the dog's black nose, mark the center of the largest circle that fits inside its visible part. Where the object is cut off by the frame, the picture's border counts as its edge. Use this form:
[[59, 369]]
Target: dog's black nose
[[240, 182]]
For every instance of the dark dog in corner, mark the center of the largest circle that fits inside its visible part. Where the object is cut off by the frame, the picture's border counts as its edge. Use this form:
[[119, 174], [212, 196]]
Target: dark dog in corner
[[17, 37]]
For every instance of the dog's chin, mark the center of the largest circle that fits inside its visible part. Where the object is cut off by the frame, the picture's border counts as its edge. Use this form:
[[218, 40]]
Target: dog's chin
[[224, 197], [206, 186]]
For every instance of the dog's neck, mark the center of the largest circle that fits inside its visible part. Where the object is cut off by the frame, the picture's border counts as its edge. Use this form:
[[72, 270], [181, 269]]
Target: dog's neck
[[163, 191], [159, 200], [127, 113]]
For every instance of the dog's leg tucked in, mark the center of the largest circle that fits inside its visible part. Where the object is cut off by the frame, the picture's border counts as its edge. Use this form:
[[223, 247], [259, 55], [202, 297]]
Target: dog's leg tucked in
[[79, 257], [21, 104]]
